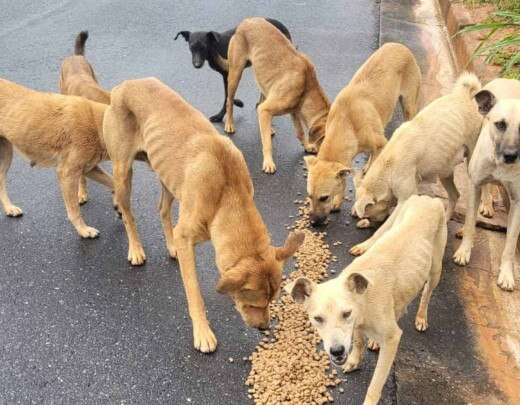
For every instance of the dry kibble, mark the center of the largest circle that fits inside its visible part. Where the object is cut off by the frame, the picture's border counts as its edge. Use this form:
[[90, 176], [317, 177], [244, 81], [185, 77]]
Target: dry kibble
[[286, 367]]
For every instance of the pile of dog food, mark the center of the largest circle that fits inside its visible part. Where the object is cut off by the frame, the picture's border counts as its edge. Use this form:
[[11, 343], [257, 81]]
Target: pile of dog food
[[286, 367]]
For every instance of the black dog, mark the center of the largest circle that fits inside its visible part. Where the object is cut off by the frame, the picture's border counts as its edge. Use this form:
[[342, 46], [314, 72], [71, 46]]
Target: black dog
[[213, 47]]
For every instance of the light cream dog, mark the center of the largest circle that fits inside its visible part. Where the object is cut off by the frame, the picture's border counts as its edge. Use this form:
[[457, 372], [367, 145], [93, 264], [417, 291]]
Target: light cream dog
[[367, 299], [287, 80], [423, 149], [357, 121], [496, 159], [209, 177], [77, 78], [52, 130]]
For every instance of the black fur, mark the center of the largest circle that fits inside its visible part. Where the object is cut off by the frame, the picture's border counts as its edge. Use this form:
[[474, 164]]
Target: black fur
[[208, 45]]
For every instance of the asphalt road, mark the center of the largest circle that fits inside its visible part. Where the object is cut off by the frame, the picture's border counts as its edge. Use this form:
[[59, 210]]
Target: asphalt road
[[78, 324]]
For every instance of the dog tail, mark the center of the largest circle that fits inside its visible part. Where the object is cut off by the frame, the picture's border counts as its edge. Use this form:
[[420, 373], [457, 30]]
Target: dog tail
[[79, 47], [469, 83]]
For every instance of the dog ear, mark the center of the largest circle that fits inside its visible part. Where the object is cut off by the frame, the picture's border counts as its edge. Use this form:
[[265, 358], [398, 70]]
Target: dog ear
[[357, 283], [342, 171], [185, 34], [300, 289], [231, 281], [485, 100], [291, 245], [361, 205], [310, 161], [213, 36]]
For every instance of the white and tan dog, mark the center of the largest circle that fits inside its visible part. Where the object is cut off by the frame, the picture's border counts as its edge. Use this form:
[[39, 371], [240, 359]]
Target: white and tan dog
[[357, 120], [423, 149], [496, 159], [367, 299]]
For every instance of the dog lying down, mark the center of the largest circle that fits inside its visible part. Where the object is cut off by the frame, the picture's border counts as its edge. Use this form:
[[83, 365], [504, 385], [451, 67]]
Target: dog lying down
[[367, 299]]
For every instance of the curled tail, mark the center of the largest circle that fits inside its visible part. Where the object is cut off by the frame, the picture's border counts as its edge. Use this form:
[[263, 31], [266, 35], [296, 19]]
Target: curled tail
[[79, 47], [469, 83]]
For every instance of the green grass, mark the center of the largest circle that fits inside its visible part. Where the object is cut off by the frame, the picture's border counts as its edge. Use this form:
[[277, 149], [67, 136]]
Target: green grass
[[505, 5]]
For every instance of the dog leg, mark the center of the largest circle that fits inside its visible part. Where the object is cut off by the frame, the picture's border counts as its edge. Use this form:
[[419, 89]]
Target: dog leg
[[6, 157], [453, 195], [165, 209], [300, 132], [384, 364], [100, 176], [69, 178], [220, 115], [486, 202], [82, 191], [237, 59], [506, 279], [463, 253], [358, 350], [123, 188], [203, 337]]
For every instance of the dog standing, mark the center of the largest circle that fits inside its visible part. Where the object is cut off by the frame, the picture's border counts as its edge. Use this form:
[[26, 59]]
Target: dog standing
[[209, 177], [357, 120], [423, 149], [53, 130], [77, 78], [213, 47], [496, 159], [287, 80], [367, 299]]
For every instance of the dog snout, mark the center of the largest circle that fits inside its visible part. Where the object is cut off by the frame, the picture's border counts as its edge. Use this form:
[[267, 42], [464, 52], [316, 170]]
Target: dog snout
[[198, 62], [337, 351], [317, 220], [510, 157]]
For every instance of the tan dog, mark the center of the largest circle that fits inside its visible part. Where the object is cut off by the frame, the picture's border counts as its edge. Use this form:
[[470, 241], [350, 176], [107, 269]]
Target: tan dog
[[367, 299], [287, 80], [496, 159], [52, 130], [77, 78], [209, 177], [357, 121], [423, 149]]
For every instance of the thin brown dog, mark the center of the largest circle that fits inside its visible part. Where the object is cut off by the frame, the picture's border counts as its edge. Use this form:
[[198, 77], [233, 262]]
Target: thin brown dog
[[77, 78], [52, 130], [209, 177], [287, 80]]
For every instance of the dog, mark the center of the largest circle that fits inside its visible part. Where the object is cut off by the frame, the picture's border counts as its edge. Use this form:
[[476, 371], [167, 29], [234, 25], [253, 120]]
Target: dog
[[213, 47], [287, 80], [356, 123], [209, 177], [77, 78], [423, 149], [496, 159], [367, 299], [53, 130]]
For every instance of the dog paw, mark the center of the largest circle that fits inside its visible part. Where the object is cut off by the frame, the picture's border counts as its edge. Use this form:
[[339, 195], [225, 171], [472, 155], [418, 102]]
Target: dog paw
[[13, 211], [238, 103], [363, 223], [462, 256], [136, 256], [229, 129], [506, 280], [88, 232], [421, 324], [486, 210], [204, 339], [216, 118], [269, 167], [372, 345], [460, 233], [358, 249], [311, 148], [351, 365], [353, 213], [172, 251], [82, 198]]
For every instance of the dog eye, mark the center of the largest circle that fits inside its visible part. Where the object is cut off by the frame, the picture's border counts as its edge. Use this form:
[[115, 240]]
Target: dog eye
[[318, 319], [501, 125], [345, 314], [324, 198]]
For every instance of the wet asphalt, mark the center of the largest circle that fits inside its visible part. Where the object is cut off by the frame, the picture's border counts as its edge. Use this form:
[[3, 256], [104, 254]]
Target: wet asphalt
[[78, 324]]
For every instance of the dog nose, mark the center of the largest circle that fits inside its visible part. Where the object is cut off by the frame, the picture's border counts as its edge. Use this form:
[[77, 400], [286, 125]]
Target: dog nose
[[510, 157], [263, 326], [337, 351], [317, 220]]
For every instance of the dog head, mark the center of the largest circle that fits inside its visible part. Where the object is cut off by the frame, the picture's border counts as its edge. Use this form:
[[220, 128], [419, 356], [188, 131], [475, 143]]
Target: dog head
[[200, 43], [503, 118], [325, 183], [334, 308], [254, 282], [373, 199]]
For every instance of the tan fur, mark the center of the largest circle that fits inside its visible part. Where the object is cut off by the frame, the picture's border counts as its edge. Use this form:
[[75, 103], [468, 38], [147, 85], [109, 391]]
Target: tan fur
[[209, 177], [287, 80], [357, 120], [367, 299], [423, 149], [77, 78], [52, 130], [487, 166]]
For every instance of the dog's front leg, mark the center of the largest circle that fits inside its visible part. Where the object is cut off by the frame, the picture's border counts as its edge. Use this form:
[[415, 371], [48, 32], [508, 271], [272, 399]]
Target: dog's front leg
[[463, 253], [356, 356], [165, 209], [265, 119], [82, 191], [453, 194], [506, 279], [220, 115], [203, 337], [384, 364]]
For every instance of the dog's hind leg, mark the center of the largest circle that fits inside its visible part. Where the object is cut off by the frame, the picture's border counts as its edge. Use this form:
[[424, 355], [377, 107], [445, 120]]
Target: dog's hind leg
[[237, 59], [6, 157], [410, 91], [165, 209], [100, 176], [453, 194], [82, 191]]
